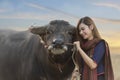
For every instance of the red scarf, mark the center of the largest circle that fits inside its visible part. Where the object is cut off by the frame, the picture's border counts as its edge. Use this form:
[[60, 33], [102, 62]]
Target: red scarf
[[89, 74]]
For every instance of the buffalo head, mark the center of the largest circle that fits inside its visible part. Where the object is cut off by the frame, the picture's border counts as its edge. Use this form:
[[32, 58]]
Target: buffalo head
[[58, 36]]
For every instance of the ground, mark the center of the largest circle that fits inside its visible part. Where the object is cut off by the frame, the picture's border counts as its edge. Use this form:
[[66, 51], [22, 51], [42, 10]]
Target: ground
[[116, 65]]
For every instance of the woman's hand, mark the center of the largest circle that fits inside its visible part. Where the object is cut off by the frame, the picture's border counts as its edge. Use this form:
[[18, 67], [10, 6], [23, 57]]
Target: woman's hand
[[77, 44]]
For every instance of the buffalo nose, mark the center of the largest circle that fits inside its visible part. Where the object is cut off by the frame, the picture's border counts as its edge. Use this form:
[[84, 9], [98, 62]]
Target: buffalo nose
[[58, 41]]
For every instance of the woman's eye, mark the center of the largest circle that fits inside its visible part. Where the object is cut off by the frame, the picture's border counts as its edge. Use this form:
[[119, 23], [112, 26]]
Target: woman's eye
[[82, 28]]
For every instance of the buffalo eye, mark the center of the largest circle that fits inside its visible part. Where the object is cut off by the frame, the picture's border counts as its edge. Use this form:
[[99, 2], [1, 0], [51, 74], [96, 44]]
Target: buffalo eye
[[69, 32], [49, 32]]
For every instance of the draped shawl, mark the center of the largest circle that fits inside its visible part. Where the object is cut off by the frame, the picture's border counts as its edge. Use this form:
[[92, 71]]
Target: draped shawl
[[88, 47]]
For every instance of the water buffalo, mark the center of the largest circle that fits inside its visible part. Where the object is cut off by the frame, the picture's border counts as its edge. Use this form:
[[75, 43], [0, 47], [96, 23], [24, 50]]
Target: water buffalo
[[27, 56]]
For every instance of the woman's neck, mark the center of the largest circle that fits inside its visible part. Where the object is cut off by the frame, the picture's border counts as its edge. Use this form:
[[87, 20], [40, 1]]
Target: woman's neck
[[91, 38]]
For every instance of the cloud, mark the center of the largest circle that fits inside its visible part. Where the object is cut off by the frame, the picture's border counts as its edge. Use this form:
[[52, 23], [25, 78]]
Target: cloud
[[111, 36], [50, 10], [109, 5], [37, 16], [14, 28], [26, 16], [36, 6], [2, 10], [43, 14], [103, 20], [19, 28]]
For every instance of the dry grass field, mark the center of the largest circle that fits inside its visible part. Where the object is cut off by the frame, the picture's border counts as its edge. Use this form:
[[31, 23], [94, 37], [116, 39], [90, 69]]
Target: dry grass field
[[116, 65]]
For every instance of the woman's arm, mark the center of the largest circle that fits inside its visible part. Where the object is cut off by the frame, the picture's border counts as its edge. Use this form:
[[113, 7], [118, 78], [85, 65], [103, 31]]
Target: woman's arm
[[85, 57]]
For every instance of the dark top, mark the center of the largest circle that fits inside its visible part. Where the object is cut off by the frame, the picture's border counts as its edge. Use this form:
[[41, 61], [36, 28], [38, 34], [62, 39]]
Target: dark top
[[98, 57]]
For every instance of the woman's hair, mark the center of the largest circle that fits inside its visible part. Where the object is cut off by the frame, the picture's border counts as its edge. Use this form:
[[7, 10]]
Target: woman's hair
[[87, 21]]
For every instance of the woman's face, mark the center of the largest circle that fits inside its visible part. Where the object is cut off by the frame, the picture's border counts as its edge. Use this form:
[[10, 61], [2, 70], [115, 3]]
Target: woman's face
[[86, 31]]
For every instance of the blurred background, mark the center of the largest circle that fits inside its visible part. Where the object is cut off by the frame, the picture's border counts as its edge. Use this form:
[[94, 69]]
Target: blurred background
[[22, 14]]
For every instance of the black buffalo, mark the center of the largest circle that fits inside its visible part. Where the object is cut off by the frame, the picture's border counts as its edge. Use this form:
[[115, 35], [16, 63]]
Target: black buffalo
[[27, 56]]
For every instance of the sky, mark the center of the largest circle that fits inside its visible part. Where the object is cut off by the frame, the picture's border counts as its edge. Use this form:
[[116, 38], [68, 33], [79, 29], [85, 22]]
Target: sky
[[22, 14]]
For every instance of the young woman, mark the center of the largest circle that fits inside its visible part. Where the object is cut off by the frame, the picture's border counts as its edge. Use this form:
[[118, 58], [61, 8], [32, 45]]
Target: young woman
[[93, 57]]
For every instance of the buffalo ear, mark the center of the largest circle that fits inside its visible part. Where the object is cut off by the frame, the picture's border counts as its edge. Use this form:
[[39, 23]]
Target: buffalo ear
[[40, 30], [74, 33]]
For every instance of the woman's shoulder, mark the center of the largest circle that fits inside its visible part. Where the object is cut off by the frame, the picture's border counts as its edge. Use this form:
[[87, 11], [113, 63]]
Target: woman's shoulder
[[101, 43]]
